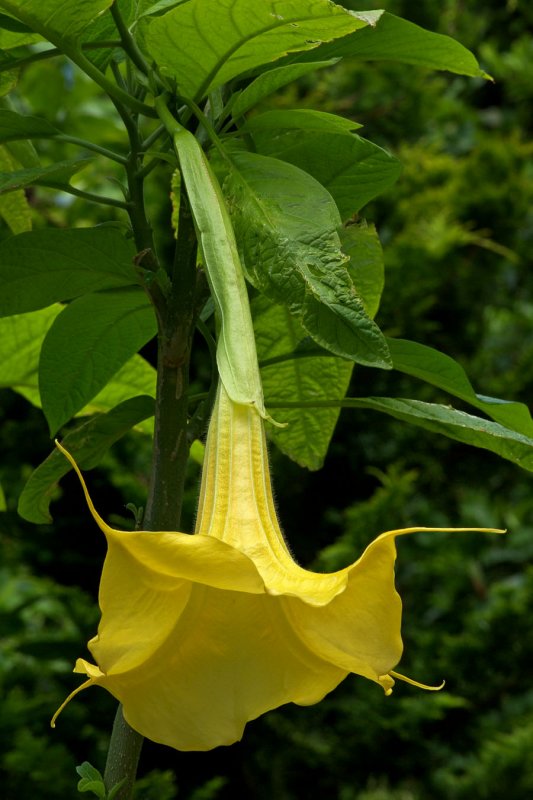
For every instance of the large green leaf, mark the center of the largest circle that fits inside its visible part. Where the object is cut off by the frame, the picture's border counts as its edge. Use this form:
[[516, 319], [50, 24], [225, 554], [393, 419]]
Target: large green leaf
[[201, 44], [47, 266], [136, 377], [56, 175], [60, 21], [445, 420], [396, 39], [366, 267], [86, 345], [272, 123], [21, 339], [88, 444], [309, 430], [440, 370], [352, 169], [154, 7], [286, 227], [269, 82], [456, 425], [15, 126]]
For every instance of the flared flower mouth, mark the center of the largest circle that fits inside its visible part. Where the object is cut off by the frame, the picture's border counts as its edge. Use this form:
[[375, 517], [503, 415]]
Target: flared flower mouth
[[201, 633]]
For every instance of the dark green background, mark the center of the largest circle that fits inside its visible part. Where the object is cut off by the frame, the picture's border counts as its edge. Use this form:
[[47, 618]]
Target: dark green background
[[457, 231]]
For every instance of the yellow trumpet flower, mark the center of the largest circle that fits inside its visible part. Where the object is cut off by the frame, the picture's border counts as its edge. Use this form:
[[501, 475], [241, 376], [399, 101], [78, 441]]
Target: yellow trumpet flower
[[200, 634]]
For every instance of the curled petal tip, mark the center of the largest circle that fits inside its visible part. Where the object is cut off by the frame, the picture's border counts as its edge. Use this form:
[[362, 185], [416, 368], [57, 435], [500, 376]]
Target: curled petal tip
[[419, 685], [65, 702]]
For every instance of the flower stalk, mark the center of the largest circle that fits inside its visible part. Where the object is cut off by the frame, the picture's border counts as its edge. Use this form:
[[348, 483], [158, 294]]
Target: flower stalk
[[224, 625]]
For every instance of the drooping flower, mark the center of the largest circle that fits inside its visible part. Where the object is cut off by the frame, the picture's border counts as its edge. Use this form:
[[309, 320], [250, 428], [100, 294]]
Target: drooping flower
[[201, 633]]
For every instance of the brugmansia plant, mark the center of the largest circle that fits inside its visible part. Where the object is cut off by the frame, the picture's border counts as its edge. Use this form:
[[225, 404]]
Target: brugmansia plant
[[201, 633]]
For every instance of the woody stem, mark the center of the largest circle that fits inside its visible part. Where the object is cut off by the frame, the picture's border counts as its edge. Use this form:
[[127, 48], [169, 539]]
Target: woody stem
[[170, 452]]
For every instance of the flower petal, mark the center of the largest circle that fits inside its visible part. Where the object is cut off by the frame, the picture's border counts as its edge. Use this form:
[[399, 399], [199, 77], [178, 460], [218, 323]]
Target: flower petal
[[359, 630], [229, 658]]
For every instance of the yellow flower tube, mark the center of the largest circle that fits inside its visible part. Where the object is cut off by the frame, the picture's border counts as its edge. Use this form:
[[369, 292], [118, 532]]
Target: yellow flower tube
[[201, 633]]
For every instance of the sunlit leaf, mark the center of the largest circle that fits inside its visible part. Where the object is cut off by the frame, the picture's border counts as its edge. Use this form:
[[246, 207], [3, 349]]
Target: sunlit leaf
[[269, 82], [271, 123], [396, 39], [308, 433], [202, 44], [286, 226], [445, 420], [14, 207], [89, 443], [87, 344], [56, 175], [352, 169], [440, 370], [58, 22], [48, 266]]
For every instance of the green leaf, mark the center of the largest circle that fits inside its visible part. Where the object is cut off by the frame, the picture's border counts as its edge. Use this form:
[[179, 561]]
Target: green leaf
[[456, 425], [201, 44], [24, 154], [14, 208], [3, 504], [96, 787], [396, 39], [146, 8], [15, 211], [91, 780], [88, 444], [136, 377], [269, 82], [15, 34], [102, 29], [56, 175], [296, 120], [47, 266], [361, 243], [86, 345], [59, 22], [16, 126], [8, 77], [87, 771], [352, 169], [8, 23], [113, 792], [309, 430], [21, 338], [286, 227], [442, 371]]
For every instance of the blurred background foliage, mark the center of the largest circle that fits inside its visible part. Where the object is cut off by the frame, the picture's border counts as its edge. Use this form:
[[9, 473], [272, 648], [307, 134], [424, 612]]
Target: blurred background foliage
[[457, 231]]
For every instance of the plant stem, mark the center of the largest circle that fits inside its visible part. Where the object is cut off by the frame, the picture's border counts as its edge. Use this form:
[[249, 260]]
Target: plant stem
[[128, 42], [123, 757], [176, 320], [163, 509], [90, 196], [96, 148]]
